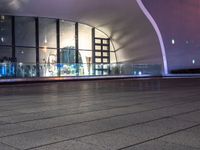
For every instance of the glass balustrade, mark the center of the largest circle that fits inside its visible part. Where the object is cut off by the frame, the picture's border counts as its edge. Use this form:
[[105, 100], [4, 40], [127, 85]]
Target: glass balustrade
[[21, 70]]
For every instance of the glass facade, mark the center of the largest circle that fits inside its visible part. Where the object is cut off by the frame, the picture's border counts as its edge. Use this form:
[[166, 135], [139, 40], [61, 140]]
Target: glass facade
[[67, 35], [25, 31], [47, 33], [48, 62], [85, 37], [86, 59], [25, 55], [5, 30], [43, 47], [5, 54]]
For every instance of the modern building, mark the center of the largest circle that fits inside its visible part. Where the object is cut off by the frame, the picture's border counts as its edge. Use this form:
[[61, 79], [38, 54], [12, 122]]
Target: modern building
[[141, 55], [51, 38]]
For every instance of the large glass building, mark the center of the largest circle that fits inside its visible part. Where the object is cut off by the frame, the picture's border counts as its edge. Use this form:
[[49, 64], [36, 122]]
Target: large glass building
[[44, 47]]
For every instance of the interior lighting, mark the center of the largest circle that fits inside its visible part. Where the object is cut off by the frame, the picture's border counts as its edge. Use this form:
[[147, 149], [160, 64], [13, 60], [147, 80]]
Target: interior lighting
[[20, 64], [45, 49], [2, 39], [193, 61], [173, 41], [45, 40]]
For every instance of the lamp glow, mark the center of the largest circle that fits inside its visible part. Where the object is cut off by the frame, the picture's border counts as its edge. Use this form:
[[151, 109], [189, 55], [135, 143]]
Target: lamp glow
[[173, 41]]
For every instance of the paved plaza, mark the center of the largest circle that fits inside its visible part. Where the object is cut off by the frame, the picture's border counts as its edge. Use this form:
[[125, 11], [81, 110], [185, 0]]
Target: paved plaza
[[129, 114]]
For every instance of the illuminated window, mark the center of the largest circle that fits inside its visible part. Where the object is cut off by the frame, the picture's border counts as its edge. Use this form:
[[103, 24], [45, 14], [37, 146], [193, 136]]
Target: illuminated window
[[48, 56], [98, 41], [25, 31], [105, 60], [68, 55], [47, 33], [105, 48], [86, 60], [5, 54], [48, 62], [98, 60], [98, 54], [97, 47], [105, 54], [85, 37], [67, 34], [100, 34], [26, 55], [112, 57], [5, 30]]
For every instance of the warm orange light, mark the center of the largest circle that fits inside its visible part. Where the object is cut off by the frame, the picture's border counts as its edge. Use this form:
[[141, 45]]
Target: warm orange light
[[45, 49]]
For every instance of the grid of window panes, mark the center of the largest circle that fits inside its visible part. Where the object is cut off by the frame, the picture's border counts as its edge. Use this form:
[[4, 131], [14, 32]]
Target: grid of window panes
[[54, 53], [5, 38], [100, 34]]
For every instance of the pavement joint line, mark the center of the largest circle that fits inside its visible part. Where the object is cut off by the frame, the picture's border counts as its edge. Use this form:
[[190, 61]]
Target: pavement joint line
[[82, 113], [72, 100], [90, 101], [159, 137], [62, 109], [119, 128], [180, 143], [188, 119], [138, 103], [70, 106], [37, 103], [111, 107], [83, 101], [100, 132], [92, 144], [103, 118], [72, 109], [10, 146]]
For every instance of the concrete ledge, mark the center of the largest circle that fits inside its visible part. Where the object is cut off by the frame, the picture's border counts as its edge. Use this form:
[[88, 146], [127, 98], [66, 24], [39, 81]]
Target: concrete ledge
[[71, 78], [88, 78]]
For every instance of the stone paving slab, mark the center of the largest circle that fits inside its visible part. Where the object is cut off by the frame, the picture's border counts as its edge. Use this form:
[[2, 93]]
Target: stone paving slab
[[189, 137], [194, 116], [161, 145], [71, 145], [133, 135], [6, 147], [101, 115]]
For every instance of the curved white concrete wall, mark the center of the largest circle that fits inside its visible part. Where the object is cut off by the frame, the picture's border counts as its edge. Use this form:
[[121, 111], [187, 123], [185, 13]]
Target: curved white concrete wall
[[133, 35]]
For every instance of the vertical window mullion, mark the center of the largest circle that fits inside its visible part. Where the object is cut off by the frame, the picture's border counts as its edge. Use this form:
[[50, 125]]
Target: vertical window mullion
[[76, 42], [13, 39], [93, 50], [58, 44], [37, 46]]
